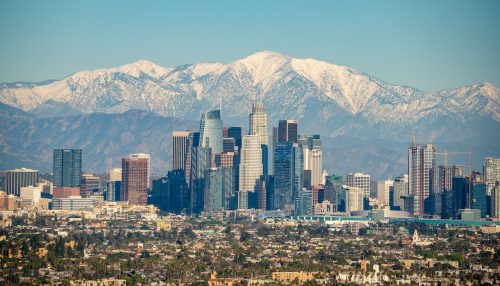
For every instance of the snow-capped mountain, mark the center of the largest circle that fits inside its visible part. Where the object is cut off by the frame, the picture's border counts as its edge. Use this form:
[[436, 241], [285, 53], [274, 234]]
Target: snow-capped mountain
[[366, 123], [288, 86]]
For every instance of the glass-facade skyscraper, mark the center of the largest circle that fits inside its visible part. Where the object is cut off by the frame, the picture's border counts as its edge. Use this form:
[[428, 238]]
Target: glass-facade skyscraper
[[421, 159], [67, 167], [211, 131]]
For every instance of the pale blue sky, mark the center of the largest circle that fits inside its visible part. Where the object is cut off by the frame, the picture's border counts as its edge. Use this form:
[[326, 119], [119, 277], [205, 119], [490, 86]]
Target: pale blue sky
[[430, 45]]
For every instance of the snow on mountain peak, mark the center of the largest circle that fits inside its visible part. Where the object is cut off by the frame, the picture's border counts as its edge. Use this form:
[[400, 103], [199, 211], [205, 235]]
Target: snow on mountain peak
[[260, 65]]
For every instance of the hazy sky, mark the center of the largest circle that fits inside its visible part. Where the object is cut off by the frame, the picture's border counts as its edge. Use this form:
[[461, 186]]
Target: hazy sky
[[430, 45]]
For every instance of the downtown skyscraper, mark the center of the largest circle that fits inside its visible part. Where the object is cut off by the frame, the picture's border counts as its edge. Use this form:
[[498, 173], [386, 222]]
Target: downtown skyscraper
[[211, 131], [134, 186], [250, 169], [67, 167], [421, 159], [180, 142]]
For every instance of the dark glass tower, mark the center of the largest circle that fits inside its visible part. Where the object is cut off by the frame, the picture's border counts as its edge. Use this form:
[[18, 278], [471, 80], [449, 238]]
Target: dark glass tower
[[67, 167]]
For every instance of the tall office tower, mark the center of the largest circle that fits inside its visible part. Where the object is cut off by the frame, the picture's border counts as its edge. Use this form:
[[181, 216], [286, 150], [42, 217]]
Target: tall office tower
[[383, 190], [421, 158], [260, 194], [298, 176], [441, 182], [89, 184], [250, 168], [400, 190], [234, 132], [272, 147], [115, 174], [178, 191], [479, 200], [67, 167], [283, 165], [225, 161], [18, 178], [193, 141], [495, 202], [307, 207], [201, 160], [213, 190], [460, 194], [170, 193], [179, 149], [148, 157], [313, 157], [229, 145], [491, 173], [359, 180], [351, 199], [113, 191], [211, 131], [288, 131], [258, 123], [288, 176], [134, 187]]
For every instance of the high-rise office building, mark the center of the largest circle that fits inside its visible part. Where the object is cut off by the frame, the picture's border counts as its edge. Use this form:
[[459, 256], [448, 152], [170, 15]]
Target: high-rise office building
[[134, 186], [351, 199], [460, 194], [283, 164], [229, 145], [288, 176], [495, 202], [258, 123], [250, 168], [441, 182], [234, 132], [359, 180], [313, 157], [224, 160], [211, 131], [421, 159], [491, 173], [179, 149], [298, 177], [67, 167], [201, 160], [148, 158], [383, 190], [193, 141], [213, 189], [89, 184], [479, 200], [288, 131], [18, 178], [400, 190], [170, 193], [113, 191]]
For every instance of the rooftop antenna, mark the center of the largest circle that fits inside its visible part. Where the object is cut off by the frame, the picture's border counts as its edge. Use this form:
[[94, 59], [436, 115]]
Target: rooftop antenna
[[414, 137]]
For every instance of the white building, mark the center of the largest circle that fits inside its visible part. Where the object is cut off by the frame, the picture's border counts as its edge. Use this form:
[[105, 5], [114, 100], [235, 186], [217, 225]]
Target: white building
[[258, 123], [359, 180], [353, 198], [73, 203], [491, 173], [313, 157], [250, 168], [383, 189], [421, 159], [32, 193]]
